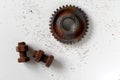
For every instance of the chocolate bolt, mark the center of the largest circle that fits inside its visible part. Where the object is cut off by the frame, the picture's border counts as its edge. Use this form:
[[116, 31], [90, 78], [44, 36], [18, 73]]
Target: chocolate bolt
[[41, 56], [22, 48]]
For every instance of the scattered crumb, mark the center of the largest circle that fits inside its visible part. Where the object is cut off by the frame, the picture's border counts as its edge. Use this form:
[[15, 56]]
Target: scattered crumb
[[31, 11], [113, 34], [52, 75]]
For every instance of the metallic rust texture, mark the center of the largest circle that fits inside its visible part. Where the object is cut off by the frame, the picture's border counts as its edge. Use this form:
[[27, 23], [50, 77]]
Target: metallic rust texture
[[22, 48], [41, 56], [68, 24]]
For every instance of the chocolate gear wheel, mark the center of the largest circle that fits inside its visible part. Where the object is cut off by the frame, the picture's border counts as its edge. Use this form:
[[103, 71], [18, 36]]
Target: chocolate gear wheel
[[69, 24]]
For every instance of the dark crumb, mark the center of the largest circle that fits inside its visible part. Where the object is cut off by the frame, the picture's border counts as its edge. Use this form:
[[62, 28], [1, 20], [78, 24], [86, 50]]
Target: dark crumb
[[113, 34], [31, 11], [52, 75], [72, 68], [24, 17]]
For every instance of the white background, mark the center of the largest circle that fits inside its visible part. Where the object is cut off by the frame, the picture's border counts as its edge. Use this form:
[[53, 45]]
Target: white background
[[96, 57]]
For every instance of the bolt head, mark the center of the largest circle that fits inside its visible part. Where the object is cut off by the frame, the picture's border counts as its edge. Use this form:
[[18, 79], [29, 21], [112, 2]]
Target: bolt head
[[24, 59], [38, 55], [21, 43], [22, 48], [49, 60]]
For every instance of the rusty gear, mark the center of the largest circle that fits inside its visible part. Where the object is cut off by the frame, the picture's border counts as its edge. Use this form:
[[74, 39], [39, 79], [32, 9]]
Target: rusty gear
[[68, 24]]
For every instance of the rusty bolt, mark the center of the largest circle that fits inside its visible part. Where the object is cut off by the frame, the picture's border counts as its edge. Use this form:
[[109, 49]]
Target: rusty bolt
[[41, 56], [22, 48]]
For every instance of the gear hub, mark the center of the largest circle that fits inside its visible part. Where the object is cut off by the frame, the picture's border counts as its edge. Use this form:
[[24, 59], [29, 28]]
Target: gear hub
[[68, 24]]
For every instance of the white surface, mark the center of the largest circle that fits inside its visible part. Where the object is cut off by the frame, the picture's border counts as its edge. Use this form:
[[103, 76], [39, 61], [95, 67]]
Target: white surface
[[96, 57]]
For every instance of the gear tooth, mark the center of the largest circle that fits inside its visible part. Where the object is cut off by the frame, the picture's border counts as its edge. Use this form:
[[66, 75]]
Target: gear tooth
[[51, 32], [87, 24], [53, 35], [86, 20], [60, 7], [86, 30], [50, 28], [84, 34], [52, 14], [63, 42], [83, 12], [87, 27], [76, 7], [86, 16], [55, 12], [73, 6], [57, 9], [50, 22], [79, 9], [70, 5], [50, 25], [83, 37], [63, 6], [66, 5], [68, 42], [51, 17], [71, 43]]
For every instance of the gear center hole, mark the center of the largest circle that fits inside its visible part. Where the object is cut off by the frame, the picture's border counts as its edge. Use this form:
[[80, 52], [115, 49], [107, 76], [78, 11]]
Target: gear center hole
[[69, 24]]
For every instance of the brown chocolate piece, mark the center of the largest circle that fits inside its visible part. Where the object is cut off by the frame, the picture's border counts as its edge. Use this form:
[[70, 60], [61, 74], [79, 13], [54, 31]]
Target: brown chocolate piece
[[68, 24], [22, 48], [40, 56]]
